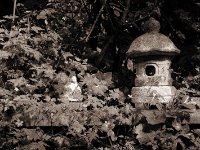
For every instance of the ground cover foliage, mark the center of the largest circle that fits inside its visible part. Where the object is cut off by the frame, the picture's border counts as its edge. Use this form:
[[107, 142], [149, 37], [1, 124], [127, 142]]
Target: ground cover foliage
[[63, 64]]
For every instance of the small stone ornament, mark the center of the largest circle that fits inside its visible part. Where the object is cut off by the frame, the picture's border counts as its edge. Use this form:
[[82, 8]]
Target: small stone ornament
[[152, 53], [73, 92]]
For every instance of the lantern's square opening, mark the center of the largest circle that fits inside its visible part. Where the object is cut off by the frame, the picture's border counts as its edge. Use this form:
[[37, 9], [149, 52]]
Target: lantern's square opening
[[150, 70]]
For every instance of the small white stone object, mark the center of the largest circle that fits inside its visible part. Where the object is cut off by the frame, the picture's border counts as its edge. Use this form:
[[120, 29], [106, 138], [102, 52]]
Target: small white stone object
[[73, 91]]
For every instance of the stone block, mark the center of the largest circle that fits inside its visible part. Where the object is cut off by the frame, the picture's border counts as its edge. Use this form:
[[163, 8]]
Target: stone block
[[153, 94]]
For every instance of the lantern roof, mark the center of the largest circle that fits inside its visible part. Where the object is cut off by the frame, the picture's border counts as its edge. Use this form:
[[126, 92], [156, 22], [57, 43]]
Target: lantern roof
[[152, 43]]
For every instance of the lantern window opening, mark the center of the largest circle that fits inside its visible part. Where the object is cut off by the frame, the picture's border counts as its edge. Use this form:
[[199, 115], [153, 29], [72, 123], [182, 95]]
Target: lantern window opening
[[151, 70]]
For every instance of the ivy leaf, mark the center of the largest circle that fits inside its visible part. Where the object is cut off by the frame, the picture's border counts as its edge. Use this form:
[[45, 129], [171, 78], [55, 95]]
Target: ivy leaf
[[95, 102], [36, 29], [98, 90], [18, 82], [106, 76], [37, 146], [19, 123], [77, 127], [4, 54], [32, 134], [4, 93], [112, 110], [117, 13], [44, 13], [177, 125], [60, 141], [33, 53], [107, 127], [143, 137], [128, 109], [37, 97], [64, 120], [62, 77], [92, 135], [45, 70], [94, 85], [154, 117], [22, 100], [115, 94], [2, 30]]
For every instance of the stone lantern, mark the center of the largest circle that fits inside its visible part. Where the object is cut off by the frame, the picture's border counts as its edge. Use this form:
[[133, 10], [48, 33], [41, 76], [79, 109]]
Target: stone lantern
[[152, 53]]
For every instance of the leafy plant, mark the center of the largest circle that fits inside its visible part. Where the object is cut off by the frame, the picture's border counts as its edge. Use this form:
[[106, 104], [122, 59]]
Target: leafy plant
[[52, 56]]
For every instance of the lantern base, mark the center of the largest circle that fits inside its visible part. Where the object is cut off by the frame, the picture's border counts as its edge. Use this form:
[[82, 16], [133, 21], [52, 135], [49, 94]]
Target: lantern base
[[153, 94]]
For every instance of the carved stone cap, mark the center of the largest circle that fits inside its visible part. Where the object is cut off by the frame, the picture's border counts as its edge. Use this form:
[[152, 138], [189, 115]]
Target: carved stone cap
[[152, 43]]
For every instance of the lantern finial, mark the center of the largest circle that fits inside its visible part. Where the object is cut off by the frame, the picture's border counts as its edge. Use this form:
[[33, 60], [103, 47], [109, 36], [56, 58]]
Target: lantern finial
[[152, 25]]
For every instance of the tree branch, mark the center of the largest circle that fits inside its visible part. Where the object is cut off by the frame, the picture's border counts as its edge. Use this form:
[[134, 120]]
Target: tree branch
[[126, 11], [112, 38], [14, 9], [97, 18]]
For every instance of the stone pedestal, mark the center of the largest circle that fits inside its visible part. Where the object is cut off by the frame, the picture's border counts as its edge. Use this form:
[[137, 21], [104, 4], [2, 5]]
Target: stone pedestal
[[153, 94]]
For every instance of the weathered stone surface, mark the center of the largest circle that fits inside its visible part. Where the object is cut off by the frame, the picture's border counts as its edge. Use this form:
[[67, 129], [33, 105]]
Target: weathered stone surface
[[73, 91], [152, 43], [153, 94], [153, 80], [151, 25], [152, 53], [162, 74]]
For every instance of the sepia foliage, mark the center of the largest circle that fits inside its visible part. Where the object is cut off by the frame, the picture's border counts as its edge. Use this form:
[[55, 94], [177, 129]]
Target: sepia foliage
[[58, 51]]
